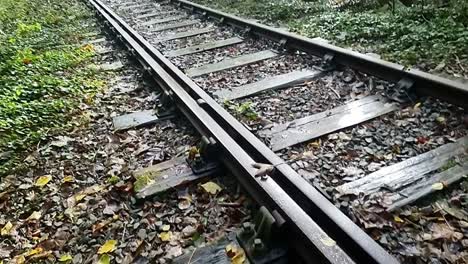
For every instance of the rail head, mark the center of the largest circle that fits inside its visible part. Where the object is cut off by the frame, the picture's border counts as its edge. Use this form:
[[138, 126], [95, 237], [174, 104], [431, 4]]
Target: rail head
[[308, 236]]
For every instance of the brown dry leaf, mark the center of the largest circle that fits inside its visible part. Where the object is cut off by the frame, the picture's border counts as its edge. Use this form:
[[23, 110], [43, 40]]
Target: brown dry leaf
[[97, 227], [263, 170], [231, 250], [43, 180], [211, 187], [441, 231], [109, 246], [6, 230], [314, 144]]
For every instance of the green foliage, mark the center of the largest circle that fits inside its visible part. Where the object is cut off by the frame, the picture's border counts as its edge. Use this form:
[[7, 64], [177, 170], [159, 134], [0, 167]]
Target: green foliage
[[242, 110], [423, 32], [41, 73], [408, 36]]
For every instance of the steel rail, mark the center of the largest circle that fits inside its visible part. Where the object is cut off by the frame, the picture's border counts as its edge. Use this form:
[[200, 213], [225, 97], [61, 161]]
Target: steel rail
[[306, 236], [424, 83], [348, 235]]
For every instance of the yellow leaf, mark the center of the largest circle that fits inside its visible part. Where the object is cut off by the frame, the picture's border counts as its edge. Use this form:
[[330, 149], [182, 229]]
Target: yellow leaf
[[328, 241], [437, 186], [36, 215], [239, 258], [68, 179], [398, 219], [65, 258], [20, 259], [34, 251], [211, 187], [165, 236], [109, 246], [315, 144], [43, 180], [231, 250], [165, 227], [104, 259], [79, 197], [6, 229], [416, 106]]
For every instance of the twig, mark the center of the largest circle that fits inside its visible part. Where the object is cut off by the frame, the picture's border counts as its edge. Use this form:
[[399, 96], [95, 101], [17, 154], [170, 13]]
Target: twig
[[337, 94], [191, 256]]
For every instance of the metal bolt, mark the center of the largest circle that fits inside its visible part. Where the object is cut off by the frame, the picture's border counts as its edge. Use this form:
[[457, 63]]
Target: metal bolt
[[247, 230], [258, 246]]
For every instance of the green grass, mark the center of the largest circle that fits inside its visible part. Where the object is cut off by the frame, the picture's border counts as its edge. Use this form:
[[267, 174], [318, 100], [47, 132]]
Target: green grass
[[42, 73], [418, 35]]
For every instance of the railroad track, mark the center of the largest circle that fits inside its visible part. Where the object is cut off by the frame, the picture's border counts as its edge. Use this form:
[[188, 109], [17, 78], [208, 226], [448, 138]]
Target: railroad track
[[332, 130]]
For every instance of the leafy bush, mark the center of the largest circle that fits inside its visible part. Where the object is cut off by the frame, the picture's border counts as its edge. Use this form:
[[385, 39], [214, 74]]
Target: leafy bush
[[41, 80], [418, 32]]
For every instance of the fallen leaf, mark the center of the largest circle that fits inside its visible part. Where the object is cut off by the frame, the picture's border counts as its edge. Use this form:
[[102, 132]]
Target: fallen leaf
[[109, 246], [263, 170], [6, 229], [104, 259], [314, 145], [328, 241], [34, 251], [165, 236], [65, 258], [437, 186], [236, 254], [231, 250], [397, 219], [165, 227], [68, 178], [184, 204], [36, 215], [43, 180], [211, 187], [20, 259], [79, 197]]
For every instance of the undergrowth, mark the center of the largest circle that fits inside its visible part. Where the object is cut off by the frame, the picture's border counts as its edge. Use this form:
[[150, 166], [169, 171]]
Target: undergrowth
[[425, 34], [42, 73]]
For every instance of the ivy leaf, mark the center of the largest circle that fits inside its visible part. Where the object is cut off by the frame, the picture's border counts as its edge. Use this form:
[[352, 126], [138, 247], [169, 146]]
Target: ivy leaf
[[211, 187], [43, 180], [109, 246]]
